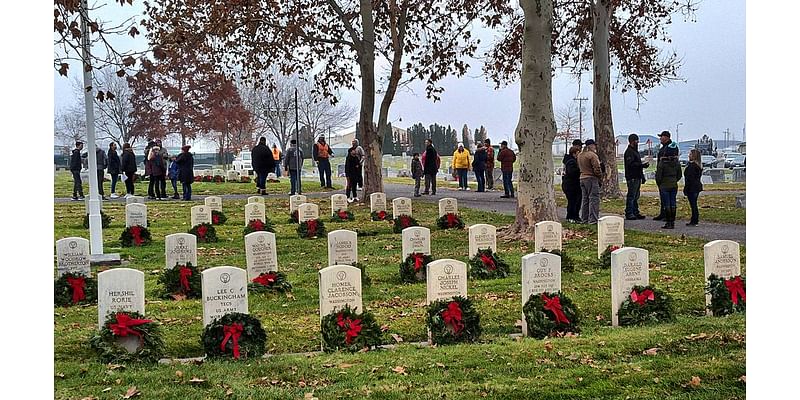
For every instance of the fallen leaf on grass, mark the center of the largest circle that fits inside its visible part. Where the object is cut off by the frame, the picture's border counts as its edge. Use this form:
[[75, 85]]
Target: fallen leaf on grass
[[179, 373], [440, 365], [60, 375], [695, 382], [599, 317], [588, 273], [345, 365], [309, 396], [743, 378], [651, 352], [106, 389], [548, 346], [397, 338], [179, 297], [132, 391], [115, 366], [400, 370]]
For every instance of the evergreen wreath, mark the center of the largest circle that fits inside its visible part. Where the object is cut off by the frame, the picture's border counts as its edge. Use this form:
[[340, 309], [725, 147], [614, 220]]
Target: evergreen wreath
[[550, 314], [402, 222], [605, 256], [727, 295], [257, 225], [136, 235], [128, 323], [219, 179], [105, 218], [646, 304], [181, 280], [73, 289], [272, 281], [412, 269], [208, 178], [347, 329], [218, 217], [342, 216], [378, 215], [450, 221], [311, 228], [205, 232], [567, 263], [198, 178], [488, 265], [453, 321], [293, 217], [234, 335], [244, 179]]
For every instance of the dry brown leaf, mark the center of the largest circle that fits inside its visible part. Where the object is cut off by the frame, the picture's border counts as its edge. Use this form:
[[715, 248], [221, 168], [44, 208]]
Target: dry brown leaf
[[743, 378], [345, 365], [400, 370], [89, 398], [60, 375], [179, 297], [229, 392], [196, 380], [440, 365], [397, 338], [310, 396], [695, 382], [599, 317], [588, 273], [115, 366], [179, 373], [651, 352], [548, 346], [132, 391]]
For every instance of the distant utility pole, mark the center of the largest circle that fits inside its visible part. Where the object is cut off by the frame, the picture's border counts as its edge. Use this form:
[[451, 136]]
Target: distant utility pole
[[677, 137], [727, 133], [580, 101]]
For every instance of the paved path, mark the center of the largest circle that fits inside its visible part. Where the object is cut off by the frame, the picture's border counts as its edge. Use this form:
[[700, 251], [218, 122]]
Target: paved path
[[491, 201]]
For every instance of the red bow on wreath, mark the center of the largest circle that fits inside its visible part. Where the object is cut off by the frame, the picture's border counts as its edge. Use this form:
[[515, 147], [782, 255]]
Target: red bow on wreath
[[266, 279], [736, 288], [381, 215], [185, 274], [451, 220], [352, 328], [554, 305], [125, 325], [215, 219], [418, 260], [640, 298], [77, 285], [342, 214], [452, 317], [312, 227], [136, 233], [232, 331], [257, 225], [201, 231], [488, 262], [405, 222]]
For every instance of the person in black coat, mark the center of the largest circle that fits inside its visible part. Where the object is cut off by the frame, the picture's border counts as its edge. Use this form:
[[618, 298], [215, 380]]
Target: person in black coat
[[128, 167], [113, 168], [571, 182], [75, 166], [352, 170], [430, 167], [634, 177], [479, 166], [692, 184], [185, 162], [263, 164]]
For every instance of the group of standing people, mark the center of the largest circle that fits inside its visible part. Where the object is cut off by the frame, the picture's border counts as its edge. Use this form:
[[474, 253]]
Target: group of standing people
[[120, 168]]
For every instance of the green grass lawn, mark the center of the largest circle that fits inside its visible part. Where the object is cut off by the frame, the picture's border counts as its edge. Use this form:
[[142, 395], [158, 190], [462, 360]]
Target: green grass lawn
[[602, 362]]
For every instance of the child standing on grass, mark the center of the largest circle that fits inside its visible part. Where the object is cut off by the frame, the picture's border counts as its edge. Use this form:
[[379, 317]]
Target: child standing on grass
[[416, 173]]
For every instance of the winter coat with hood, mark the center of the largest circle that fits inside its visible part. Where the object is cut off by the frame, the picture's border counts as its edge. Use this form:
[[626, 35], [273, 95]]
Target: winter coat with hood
[[572, 174], [185, 162], [668, 173], [263, 160], [461, 159]]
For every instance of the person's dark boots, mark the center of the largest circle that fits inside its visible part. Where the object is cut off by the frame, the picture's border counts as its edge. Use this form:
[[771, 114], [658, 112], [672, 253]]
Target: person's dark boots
[[670, 218], [661, 215]]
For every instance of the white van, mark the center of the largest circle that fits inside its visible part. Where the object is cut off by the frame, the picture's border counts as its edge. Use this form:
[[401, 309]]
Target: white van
[[243, 163]]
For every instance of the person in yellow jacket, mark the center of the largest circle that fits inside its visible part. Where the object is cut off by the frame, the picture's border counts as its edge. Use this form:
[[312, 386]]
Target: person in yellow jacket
[[461, 164]]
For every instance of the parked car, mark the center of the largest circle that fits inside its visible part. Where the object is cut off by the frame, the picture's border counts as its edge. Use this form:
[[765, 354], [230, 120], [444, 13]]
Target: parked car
[[684, 159], [708, 161], [735, 161]]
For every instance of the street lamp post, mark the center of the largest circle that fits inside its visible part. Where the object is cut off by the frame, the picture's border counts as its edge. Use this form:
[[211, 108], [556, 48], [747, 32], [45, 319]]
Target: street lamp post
[[677, 137]]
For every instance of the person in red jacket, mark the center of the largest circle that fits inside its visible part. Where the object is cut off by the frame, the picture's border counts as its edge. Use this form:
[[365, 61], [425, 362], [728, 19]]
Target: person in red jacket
[[507, 158]]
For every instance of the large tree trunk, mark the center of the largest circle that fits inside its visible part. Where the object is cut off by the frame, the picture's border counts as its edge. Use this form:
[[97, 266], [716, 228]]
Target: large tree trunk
[[601, 99], [373, 180], [536, 128], [398, 31]]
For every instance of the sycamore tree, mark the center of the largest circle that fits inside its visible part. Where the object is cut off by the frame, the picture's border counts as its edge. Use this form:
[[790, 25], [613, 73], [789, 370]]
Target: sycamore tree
[[229, 122], [338, 42]]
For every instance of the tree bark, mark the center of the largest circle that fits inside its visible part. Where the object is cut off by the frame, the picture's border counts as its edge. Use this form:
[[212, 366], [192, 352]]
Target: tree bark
[[536, 128], [601, 99], [373, 180]]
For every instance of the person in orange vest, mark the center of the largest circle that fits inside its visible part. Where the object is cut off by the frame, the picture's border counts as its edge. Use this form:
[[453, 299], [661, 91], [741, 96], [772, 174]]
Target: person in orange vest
[[322, 154], [277, 156]]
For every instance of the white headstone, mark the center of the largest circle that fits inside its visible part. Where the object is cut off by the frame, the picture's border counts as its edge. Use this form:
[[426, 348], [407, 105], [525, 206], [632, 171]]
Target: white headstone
[[255, 199], [706, 180], [610, 232], [253, 211], [401, 206], [224, 291], [233, 175], [307, 211], [721, 257], [72, 255], [377, 202], [134, 199], [547, 235], [200, 215], [119, 289], [342, 247], [416, 239], [180, 248], [218, 172], [136, 214], [447, 278], [261, 253], [339, 285], [295, 201], [214, 203], [208, 172], [338, 202], [482, 236], [448, 205], [629, 267], [541, 272]]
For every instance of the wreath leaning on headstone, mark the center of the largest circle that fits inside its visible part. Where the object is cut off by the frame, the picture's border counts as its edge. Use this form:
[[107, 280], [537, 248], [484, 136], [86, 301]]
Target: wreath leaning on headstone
[[311, 228], [105, 218], [412, 269], [181, 281], [727, 295], [347, 329], [567, 263], [488, 265], [204, 232], [605, 256], [550, 314], [257, 225], [450, 221], [644, 305], [453, 321], [135, 235], [342, 216], [378, 215], [218, 217], [272, 281], [234, 335], [293, 217], [402, 222], [125, 324], [73, 289]]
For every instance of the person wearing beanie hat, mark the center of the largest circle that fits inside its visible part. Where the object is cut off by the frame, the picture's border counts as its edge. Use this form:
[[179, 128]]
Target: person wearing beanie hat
[[591, 174], [634, 177], [461, 164]]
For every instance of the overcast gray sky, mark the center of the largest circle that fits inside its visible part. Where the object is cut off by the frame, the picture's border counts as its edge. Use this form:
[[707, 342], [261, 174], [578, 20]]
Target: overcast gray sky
[[711, 100]]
